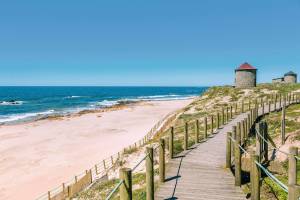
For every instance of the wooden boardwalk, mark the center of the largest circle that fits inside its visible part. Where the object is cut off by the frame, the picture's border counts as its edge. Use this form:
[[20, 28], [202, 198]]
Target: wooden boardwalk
[[200, 172]]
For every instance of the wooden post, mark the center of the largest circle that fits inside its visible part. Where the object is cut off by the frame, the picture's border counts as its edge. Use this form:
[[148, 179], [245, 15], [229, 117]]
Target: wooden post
[[256, 103], [212, 124], [223, 116], [265, 141], [236, 109], [162, 169], [149, 174], [237, 157], [227, 114], [293, 98], [126, 187], [255, 177], [205, 127], [49, 195], [269, 106], [171, 142], [228, 150], [91, 177], [245, 130], [251, 116], [196, 131], [249, 106], [218, 120], [256, 112], [293, 165], [259, 130], [96, 169], [249, 124], [64, 187], [231, 116], [243, 106], [275, 102], [294, 192], [186, 137], [280, 100], [241, 126], [283, 124], [104, 164], [233, 135], [263, 109], [261, 101]]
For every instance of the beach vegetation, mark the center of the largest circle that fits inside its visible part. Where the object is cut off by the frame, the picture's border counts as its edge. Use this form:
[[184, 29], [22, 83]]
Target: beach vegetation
[[131, 150]]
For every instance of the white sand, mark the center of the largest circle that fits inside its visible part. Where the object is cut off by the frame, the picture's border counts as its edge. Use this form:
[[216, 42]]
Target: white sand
[[37, 156]]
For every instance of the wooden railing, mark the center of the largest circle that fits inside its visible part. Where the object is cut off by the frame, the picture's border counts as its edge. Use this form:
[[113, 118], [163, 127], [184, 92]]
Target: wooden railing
[[216, 120], [237, 140]]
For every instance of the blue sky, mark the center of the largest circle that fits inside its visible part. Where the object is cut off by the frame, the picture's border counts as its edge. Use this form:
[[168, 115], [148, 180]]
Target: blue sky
[[158, 42]]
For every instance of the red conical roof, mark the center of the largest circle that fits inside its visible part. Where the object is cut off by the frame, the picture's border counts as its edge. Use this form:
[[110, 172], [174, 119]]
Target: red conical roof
[[246, 66]]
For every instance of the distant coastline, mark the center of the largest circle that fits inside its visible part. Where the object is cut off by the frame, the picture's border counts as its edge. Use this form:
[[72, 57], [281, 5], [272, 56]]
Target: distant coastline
[[26, 104]]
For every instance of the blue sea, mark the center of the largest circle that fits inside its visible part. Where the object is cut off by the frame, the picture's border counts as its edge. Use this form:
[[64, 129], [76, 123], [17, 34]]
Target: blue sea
[[29, 103]]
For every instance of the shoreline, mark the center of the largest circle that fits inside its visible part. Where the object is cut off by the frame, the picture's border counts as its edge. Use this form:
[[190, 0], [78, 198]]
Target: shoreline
[[41, 153], [60, 115]]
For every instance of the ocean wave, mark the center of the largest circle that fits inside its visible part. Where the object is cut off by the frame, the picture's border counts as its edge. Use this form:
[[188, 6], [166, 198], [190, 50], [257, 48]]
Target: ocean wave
[[165, 97], [106, 103], [158, 96], [73, 97], [11, 103], [110, 103], [24, 116]]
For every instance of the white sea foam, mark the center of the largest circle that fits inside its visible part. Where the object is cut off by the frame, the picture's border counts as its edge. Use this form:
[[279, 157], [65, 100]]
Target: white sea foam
[[107, 103], [17, 117], [11, 103], [165, 97], [73, 97]]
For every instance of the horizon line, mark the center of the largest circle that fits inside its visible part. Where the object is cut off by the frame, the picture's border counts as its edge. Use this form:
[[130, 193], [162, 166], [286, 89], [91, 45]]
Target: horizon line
[[104, 86]]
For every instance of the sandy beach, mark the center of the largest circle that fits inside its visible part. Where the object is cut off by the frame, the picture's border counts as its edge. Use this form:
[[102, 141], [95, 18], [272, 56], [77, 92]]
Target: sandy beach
[[40, 155]]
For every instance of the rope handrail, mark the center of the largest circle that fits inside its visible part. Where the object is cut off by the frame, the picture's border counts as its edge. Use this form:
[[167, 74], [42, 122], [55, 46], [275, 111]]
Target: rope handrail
[[232, 139], [144, 158], [269, 174], [275, 148], [243, 149], [114, 190], [275, 180], [138, 164]]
